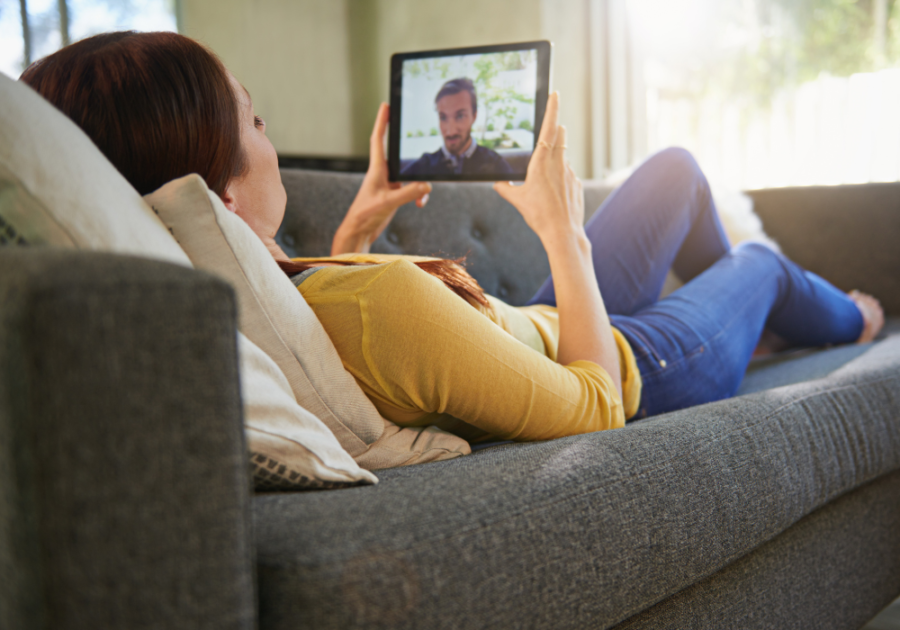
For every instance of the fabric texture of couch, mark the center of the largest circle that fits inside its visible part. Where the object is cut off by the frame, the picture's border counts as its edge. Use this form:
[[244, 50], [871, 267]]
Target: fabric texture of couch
[[777, 508], [124, 492]]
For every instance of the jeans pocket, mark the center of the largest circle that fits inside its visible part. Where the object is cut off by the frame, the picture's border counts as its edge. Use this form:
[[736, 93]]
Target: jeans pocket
[[651, 352]]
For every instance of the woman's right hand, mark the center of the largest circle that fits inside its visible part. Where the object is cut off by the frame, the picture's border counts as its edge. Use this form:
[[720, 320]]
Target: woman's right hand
[[551, 200], [377, 200]]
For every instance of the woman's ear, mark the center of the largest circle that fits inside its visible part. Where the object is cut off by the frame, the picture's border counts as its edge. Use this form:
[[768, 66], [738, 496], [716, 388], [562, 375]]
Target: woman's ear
[[229, 201]]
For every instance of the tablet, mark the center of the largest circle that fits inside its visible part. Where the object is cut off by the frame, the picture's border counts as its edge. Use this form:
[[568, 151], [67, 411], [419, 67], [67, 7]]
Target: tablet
[[467, 114]]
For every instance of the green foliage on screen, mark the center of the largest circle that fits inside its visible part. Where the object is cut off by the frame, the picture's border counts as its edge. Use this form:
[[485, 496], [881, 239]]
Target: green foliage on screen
[[502, 141]]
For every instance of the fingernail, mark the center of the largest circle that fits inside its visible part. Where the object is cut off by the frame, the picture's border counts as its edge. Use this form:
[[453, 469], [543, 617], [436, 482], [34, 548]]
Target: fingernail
[[424, 199]]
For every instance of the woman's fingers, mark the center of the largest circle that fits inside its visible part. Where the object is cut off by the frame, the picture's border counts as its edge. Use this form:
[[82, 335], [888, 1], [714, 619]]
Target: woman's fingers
[[575, 188], [405, 194], [560, 145], [551, 120], [559, 149], [376, 140]]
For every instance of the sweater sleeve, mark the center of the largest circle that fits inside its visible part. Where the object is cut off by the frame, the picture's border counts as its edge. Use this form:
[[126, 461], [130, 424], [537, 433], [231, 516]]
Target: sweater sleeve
[[426, 349]]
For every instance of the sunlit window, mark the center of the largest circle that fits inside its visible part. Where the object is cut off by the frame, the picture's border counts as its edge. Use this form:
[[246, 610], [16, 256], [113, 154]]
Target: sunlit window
[[773, 92], [31, 29]]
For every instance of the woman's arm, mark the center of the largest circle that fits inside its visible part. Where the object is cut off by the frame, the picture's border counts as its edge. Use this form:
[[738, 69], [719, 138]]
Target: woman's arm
[[552, 202], [377, 200]]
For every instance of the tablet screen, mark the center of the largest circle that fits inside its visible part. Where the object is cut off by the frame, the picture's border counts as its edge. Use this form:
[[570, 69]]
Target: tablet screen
[[467, 114]]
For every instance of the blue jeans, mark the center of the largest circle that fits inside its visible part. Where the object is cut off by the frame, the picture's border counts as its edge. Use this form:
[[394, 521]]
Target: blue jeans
[[694, 345]]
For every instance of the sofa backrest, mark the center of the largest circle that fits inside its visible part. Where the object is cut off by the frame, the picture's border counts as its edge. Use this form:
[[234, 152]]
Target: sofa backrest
[[469, 220]]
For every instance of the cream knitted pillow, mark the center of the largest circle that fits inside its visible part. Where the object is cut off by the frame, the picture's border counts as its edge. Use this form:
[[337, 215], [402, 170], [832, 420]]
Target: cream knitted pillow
[[289, 447]]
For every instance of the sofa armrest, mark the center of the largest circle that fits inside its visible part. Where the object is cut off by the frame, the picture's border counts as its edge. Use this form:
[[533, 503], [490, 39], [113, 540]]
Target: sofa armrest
[[847, 234], [124, 489]]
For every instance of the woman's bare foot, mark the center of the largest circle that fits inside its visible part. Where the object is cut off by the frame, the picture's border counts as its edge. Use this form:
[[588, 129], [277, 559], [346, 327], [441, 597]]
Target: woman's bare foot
[[872, 313]]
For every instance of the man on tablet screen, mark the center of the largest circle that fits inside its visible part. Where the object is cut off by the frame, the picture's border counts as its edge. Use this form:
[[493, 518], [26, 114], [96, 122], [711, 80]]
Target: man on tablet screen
[[457, 108]]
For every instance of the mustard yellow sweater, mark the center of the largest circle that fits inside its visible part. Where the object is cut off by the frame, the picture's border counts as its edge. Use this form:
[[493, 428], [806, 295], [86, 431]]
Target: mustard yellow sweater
[[425, 356]]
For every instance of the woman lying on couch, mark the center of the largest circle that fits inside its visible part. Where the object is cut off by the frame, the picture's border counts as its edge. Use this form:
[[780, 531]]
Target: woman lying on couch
[[595, 347]]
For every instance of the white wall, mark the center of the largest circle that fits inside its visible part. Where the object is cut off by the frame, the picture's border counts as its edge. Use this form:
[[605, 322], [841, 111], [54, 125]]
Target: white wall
[[565, 23], [381, 28], [293, 58]]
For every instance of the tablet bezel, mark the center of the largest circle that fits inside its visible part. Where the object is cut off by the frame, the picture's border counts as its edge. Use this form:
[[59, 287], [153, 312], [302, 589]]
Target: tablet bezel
[[543, 48]]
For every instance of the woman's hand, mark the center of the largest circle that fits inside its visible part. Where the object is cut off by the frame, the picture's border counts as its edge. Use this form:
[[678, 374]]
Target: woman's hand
[[377, 200], [551, 200]]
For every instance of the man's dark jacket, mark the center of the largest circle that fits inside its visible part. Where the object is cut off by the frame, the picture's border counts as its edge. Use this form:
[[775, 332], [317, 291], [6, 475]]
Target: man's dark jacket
[[482, 161]]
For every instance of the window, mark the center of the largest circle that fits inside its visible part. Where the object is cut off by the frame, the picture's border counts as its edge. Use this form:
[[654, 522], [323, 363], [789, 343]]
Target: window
[[773, 92], [31, 29]]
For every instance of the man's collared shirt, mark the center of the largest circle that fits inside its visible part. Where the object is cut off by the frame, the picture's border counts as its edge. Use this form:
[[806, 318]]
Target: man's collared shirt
[[456, 163]]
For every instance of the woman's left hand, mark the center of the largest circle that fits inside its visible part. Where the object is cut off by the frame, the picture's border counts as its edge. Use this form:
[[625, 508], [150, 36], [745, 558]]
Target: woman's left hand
[[551, 200], [377, 200]]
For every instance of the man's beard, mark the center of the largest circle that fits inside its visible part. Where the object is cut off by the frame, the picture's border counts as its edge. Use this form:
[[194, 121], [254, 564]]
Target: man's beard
[[462, 145]]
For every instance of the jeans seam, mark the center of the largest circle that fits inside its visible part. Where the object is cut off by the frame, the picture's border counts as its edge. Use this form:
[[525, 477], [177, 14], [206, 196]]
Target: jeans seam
[[731, 321]]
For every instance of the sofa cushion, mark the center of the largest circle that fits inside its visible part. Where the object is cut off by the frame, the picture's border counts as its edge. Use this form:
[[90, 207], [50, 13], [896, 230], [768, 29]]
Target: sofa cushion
[[802, 364], [589, 529], [833, 570], [274, 316]]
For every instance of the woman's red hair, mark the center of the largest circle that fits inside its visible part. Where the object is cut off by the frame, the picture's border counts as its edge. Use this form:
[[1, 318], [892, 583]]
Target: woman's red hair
[[158, 105]]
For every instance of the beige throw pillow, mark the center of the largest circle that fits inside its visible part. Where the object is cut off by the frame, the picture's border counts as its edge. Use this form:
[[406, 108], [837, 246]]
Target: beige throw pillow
[[289, 447], [56, 188], [274, 316]]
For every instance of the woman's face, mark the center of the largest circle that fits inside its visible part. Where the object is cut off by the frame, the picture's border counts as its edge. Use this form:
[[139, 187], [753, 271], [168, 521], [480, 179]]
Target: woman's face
[[258, 196]]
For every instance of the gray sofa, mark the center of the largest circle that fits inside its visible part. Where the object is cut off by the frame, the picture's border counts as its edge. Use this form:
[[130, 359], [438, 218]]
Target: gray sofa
[[124, 498]]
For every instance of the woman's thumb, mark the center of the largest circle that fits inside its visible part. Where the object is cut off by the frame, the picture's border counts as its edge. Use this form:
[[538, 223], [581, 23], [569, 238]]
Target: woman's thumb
[[506, 190]]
